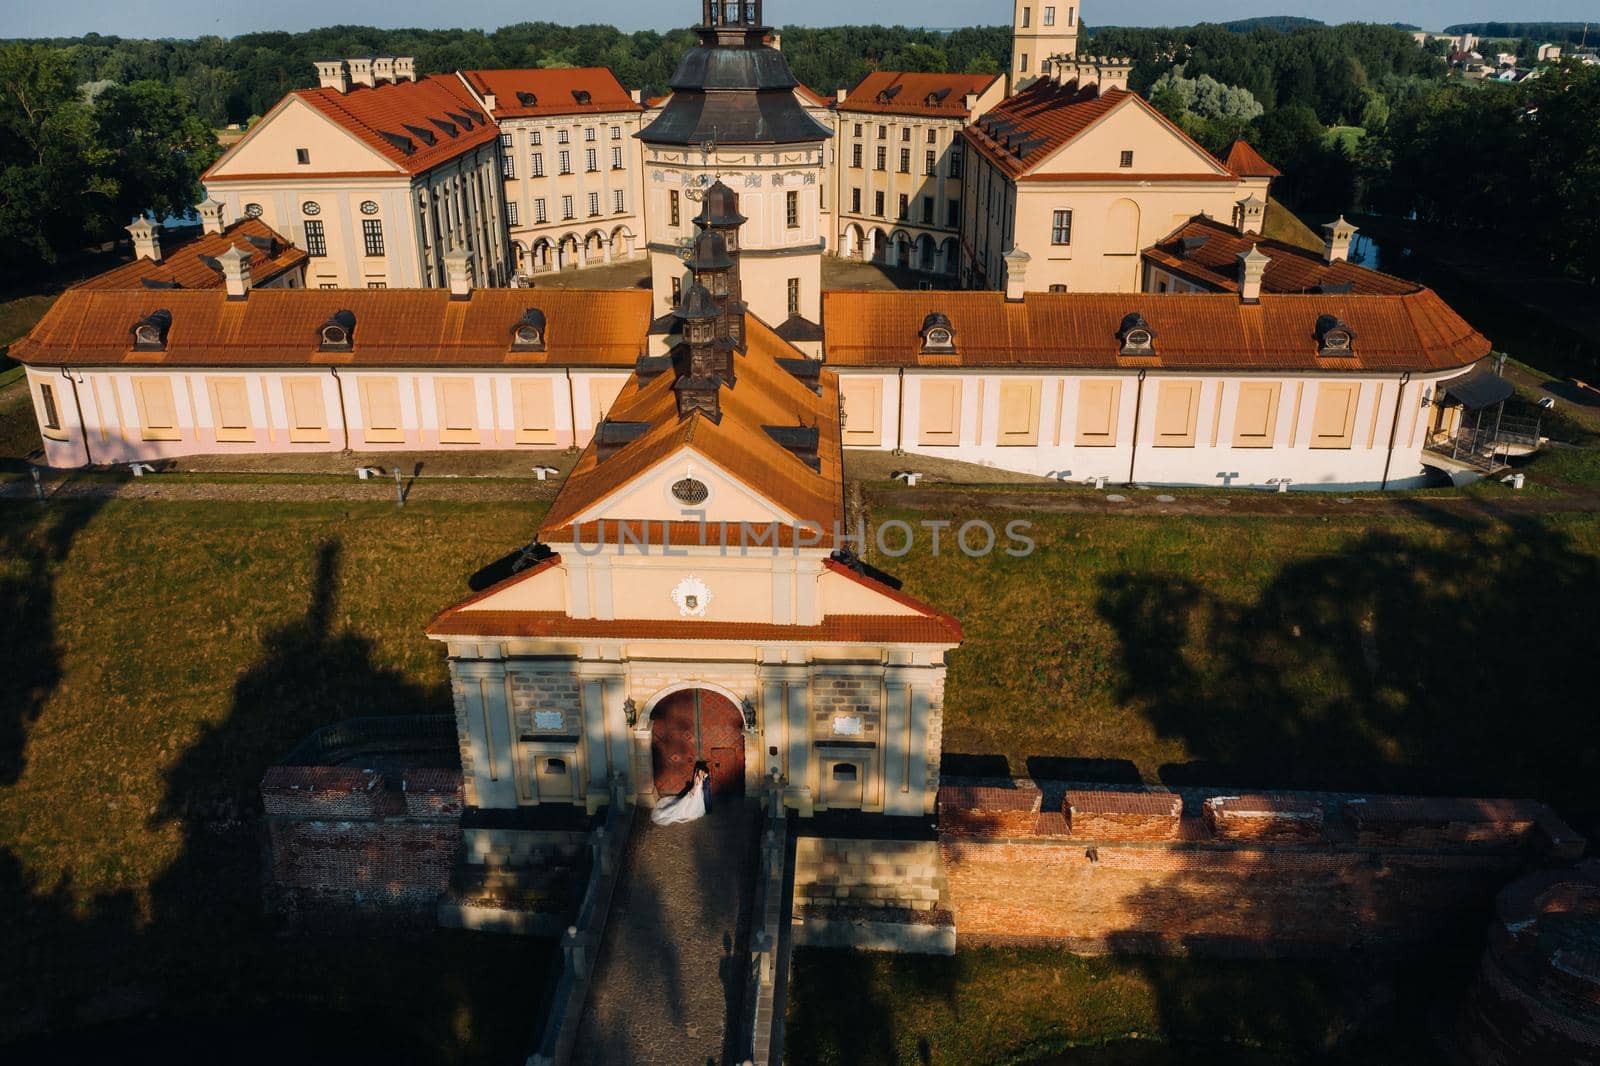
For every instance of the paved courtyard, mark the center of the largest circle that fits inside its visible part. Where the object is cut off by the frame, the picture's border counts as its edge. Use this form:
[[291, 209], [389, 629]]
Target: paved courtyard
[[668, 985]]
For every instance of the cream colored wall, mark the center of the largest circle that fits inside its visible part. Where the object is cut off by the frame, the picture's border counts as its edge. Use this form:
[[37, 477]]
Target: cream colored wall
[[771, 251], [866, 235], [649, 496], [1156, 149], [1040, 42], [1060, 451], [561, 234], [112, 411], [270, 147]]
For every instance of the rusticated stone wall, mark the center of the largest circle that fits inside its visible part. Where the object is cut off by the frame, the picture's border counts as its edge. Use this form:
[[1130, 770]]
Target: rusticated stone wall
[[1263, 874]]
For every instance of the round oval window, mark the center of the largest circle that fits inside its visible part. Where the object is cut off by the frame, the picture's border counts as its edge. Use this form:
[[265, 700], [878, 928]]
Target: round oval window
[[369, 207], [690, 490], [252, 210], [311, 207]]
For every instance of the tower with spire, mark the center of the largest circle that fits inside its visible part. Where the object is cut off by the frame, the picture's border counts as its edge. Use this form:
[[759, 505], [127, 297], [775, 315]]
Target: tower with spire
[[733, 121]]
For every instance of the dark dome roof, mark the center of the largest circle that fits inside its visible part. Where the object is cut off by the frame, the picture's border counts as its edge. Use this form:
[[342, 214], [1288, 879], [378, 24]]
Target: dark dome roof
[[733, 94]]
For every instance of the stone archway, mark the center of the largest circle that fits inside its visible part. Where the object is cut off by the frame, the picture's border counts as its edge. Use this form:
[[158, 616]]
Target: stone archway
[[697, 725]]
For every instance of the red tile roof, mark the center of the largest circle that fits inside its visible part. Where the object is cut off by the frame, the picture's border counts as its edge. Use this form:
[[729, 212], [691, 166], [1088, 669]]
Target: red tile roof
[[394, 327], [184, 265], [1246, 162], [1207, 252], [1414, 331], [893, 92], [551, 91], [764, 394], [1023, 131], [416, 125], [813, 97]]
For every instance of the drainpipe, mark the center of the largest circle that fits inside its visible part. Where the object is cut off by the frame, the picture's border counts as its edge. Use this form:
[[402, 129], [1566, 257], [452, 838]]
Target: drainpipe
[[1138, 402], [1394, 429], [572, 409], [900, 413], [338, 383], [77, 402]]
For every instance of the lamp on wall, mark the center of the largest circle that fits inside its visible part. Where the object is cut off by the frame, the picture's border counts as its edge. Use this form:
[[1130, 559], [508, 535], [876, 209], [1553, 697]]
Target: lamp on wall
[[630, 711], [1427, 397], [749, 716]]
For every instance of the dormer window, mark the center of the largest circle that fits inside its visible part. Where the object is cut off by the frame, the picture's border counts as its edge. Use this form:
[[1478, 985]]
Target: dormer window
[[1334, 337], [150, 332], [528, 334], [339, 332], [937, 333], [1136, 335], [527, 99], [581, 95]]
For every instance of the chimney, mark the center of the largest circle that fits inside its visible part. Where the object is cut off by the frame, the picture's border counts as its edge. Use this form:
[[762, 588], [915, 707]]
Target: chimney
[[383, 68], [1016, 273], [970, 102], [331, 74], [1114, 73], [637, 95], [146, 239], [1252, 267], [210, 215], [361, 71], [490, 102], [1252, 212], [841, 96], [1336, 237], [405, 68], [458, 268], [235, 265]]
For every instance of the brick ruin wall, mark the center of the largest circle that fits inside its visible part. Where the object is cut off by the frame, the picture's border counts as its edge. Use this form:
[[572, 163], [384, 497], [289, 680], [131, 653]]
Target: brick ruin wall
[[1282, 873], [341, 839]]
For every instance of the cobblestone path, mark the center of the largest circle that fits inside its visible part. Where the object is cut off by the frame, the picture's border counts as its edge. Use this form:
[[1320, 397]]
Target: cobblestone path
[[669, 981]]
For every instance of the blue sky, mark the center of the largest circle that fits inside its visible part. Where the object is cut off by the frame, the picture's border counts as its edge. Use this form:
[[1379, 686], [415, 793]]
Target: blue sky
[[190, 18]]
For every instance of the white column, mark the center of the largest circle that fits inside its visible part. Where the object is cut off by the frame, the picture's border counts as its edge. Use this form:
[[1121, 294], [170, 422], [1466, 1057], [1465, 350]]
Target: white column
[[605, 249], [798, 794], [489, 731]]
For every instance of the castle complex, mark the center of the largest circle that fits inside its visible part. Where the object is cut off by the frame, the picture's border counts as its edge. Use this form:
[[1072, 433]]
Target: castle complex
[[1124, 319]]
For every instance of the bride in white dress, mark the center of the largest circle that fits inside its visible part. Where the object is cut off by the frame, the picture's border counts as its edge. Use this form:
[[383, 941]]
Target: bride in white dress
[[685, 807]]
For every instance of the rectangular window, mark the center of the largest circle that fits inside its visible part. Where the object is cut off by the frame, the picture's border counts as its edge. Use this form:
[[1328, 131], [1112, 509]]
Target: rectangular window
[[930, 163], [940, 419], [619, 201], [47, 400], [616, 133], [511, 212], [380, 411], [1027, 17], [539, 215], [566, 207], [855, 155], [794, 296], [1177, 414], [563, 137], [677, 290], [1019, 414], [565, 161], [1334, 418], [1022, 63], [955, 160], [505, 140], [672, 207], [508, 166], [308, 414], [616, 159], [158, 415], [535, 138], [377, 285], [905, 207], [905, 160], [589, 134], [1099, 402], [1049, 16], [877, 203], [933, 135], [302, 156], [1255, 418], [533, 406], [858, 129], [538, 164], [953, 215], [791, 209], [1127, 159], [316, 242], [458, 410], [883, 158], [883, 133], [591, 160], [855, 200], [1061, 228], [1072, 16], [594, 203], [927, 210], [862, 402], [230, 409], [372, 235], [905, 133]]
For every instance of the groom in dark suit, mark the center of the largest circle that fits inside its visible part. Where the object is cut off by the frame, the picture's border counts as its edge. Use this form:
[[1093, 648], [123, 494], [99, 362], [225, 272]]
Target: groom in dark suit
[[705, 784]]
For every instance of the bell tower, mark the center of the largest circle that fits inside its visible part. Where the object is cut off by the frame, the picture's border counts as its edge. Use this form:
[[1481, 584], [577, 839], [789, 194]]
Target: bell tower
[[733, 122], [1041, 30]]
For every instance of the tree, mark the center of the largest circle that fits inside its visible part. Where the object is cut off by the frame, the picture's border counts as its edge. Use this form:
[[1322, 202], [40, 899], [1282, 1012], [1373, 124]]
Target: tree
[[158, 148]]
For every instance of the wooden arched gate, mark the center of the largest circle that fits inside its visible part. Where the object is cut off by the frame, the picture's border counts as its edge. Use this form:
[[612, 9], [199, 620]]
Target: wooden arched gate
[[697, 725]]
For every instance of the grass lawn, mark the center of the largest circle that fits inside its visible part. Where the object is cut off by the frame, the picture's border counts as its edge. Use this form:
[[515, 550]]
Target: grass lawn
[[18, 315], [19, 431], [161, 655], [1018, 1006], [1348, 137]]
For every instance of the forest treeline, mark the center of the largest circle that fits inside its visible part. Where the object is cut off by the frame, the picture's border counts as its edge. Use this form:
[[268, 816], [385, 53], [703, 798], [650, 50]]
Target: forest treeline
[[1358, 117]]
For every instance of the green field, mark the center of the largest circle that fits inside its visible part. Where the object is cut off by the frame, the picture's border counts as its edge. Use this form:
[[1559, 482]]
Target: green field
[[1348, 137], [163, 654]]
